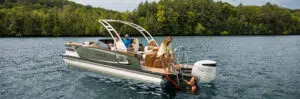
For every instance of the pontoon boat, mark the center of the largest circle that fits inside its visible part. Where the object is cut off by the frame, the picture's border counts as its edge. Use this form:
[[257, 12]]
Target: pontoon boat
[[111, 57]]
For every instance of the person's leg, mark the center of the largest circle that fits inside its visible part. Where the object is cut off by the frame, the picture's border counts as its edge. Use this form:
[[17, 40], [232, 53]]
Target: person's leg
[[170, 60], [163, 62]]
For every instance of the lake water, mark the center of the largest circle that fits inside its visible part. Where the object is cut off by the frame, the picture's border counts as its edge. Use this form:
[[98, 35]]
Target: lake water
[[264, 67]]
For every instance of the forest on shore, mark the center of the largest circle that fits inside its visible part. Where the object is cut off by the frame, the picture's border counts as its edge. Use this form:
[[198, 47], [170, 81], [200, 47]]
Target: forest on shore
[[54, 18]]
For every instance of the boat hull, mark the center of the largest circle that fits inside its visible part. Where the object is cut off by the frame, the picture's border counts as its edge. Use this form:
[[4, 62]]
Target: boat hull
[[113, 70]]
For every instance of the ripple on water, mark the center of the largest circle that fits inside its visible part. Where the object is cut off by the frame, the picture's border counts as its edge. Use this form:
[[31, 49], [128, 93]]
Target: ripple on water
[[248, 67]]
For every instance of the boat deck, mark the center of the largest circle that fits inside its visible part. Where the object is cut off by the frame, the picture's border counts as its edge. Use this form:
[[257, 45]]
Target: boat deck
[[162, 70], [156, 70]]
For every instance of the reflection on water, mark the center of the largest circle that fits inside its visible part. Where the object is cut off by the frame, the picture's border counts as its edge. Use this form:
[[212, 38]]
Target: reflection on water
[[99, 84]]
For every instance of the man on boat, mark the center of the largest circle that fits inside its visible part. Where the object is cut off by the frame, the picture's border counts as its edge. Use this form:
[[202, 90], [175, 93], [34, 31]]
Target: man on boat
[[127, 41]]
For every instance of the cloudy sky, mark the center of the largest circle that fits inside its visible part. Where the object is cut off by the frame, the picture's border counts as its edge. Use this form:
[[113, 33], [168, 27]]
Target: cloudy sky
[[123, 5]]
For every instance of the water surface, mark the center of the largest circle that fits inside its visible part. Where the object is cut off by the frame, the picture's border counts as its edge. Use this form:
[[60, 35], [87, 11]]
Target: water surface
[[266, 67]]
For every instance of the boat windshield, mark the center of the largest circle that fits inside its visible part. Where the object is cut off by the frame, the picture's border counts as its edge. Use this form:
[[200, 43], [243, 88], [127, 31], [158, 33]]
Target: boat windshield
[[102, 45]]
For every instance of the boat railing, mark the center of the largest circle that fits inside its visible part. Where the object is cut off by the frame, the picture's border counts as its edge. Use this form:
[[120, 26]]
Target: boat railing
[[175, 71], [111, 30], [181, 54]]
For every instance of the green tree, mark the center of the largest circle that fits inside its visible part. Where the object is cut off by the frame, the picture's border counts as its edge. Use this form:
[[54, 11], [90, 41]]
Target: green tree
[[165, 17]]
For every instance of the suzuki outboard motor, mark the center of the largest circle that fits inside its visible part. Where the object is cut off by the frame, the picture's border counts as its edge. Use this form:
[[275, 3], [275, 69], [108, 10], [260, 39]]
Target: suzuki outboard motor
[[204, 70]]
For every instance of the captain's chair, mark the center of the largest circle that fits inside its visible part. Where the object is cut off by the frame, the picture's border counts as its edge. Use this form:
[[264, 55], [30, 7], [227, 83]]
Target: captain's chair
[[150, 47]]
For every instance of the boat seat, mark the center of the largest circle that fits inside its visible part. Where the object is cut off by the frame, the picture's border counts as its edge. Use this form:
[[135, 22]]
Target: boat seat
[[73, 44], [149, 59], [119, 46], [90, 44], [156, 70], [146, 51], [152, 60], [93, 46], [149, 49], [152, 43], [157, 63]]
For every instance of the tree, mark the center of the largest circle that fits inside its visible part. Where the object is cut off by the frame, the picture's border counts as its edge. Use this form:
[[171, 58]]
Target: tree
[[200, 29], [165, 17]]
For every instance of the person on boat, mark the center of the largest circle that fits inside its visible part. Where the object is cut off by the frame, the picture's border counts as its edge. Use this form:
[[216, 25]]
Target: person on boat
[[127, 41], [134, 47], [165, 53], [113, 46]]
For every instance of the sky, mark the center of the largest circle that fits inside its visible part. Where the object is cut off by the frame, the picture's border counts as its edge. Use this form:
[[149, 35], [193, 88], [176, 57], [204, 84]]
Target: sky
[[118, 5], [123, 5]]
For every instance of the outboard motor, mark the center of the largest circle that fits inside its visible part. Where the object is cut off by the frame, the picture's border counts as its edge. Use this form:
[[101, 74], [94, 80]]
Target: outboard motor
[[204, 70]]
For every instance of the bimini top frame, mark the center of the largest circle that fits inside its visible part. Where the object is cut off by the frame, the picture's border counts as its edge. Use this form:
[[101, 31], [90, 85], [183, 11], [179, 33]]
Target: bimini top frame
[[111, 30]]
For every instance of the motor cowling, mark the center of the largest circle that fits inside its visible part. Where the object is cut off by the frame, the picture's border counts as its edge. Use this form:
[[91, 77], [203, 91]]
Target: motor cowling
[[204, 70]]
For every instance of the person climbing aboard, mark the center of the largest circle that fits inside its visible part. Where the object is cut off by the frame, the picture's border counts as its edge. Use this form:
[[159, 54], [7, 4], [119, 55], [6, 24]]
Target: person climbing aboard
[[165, 53], [192, 85]]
